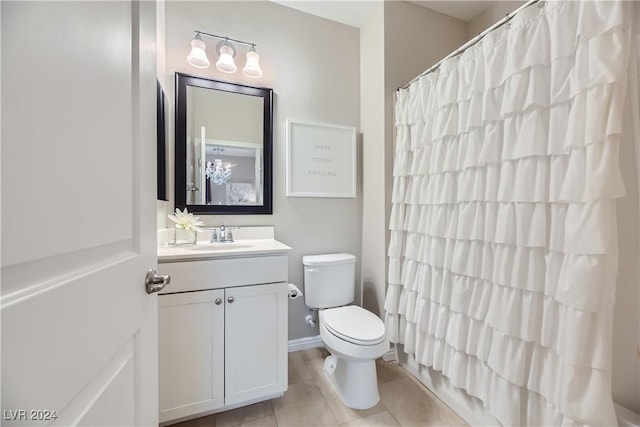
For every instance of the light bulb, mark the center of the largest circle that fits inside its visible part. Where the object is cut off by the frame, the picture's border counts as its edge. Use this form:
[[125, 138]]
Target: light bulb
[[225, 61], [198, 57], [252, 67]]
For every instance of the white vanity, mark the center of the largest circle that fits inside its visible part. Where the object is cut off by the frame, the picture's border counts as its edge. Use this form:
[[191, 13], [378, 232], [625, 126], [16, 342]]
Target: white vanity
[[222, 325]]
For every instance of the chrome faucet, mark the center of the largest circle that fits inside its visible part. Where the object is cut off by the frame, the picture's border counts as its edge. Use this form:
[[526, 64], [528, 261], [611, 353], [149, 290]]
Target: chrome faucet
[[225, 235]]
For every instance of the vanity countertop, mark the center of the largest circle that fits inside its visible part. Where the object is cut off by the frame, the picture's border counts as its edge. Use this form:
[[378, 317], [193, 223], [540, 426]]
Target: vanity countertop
[[205, 250]]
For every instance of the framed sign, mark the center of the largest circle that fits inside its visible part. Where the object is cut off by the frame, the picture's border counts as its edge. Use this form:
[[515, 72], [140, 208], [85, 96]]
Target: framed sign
[[321, 160]]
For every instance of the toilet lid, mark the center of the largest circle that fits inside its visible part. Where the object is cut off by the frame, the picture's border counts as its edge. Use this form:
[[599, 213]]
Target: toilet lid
[[354, 324]]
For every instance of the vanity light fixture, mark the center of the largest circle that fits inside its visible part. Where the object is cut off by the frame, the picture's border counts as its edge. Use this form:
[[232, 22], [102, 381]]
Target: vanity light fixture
[[226, 53]]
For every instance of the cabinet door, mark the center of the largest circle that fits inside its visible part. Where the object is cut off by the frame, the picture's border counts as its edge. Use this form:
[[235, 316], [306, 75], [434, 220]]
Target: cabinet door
[[255, 341], [191, 340]]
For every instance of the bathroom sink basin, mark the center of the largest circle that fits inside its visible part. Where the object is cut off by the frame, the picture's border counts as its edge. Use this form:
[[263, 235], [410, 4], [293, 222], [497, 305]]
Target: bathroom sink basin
[[218, 246], [205, 250]]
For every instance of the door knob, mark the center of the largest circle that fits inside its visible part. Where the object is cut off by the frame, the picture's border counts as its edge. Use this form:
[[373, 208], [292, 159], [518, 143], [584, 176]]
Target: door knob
[[218, 301], [154, 282], [231, 300]]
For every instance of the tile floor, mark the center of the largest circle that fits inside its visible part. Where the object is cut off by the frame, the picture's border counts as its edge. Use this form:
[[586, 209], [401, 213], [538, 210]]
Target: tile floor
[[310, 401]]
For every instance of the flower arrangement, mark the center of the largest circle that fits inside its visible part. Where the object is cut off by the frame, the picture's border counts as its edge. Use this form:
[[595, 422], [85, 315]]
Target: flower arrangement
[[187, 222]]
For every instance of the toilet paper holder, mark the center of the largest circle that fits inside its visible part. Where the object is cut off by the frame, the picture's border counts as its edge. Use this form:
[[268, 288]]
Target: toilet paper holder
[[293, 291]]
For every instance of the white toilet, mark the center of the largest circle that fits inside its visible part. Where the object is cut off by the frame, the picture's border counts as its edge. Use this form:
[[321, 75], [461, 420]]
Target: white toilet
[[354, 336]]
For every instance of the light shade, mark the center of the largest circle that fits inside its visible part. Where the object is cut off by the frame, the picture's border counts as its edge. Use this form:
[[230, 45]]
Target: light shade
[[198, 57], [225, 62], [252, 68]]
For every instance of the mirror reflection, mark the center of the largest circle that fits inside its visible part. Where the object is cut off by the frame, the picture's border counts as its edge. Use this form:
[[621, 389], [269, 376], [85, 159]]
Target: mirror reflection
[[223, 147], [232, 173]]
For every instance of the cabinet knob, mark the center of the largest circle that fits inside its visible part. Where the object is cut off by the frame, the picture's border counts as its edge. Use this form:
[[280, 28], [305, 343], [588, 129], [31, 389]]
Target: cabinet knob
[[231, 300], [218, 301]]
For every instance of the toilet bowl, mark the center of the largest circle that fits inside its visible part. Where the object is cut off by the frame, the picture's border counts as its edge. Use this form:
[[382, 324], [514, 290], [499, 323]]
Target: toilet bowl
[[354, 336]]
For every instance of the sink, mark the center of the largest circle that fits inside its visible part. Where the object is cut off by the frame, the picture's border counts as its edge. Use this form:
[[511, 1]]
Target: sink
[[254, 241], [204, 246]]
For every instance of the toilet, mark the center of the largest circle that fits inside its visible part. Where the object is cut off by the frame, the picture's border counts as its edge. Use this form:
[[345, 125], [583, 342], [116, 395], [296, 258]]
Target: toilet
[[354, 336]]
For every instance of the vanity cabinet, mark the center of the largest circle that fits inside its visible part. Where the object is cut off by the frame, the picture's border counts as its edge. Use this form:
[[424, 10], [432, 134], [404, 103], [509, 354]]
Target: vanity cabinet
[[222, 345], [191, 357]]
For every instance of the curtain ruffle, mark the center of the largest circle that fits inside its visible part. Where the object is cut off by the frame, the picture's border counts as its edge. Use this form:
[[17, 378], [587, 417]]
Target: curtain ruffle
[[503, 251]]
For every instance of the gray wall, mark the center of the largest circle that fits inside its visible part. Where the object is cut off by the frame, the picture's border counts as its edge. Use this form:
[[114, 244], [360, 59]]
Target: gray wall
[[372, 95], [626, 311], [399, 41], [491, 15], [313, 66]]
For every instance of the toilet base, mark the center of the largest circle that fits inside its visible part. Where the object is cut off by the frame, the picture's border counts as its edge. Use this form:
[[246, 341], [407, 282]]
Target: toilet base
[[354, 381]]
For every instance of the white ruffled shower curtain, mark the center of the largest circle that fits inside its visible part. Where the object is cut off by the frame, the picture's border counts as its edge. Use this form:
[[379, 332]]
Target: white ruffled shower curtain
[[503, 251]]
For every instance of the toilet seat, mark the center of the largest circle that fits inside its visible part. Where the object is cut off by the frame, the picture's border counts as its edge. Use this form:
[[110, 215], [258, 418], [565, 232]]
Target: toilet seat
[[354, 324]]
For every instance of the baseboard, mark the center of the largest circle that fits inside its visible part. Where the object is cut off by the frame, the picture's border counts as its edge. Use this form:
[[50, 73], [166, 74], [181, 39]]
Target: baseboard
[[305, 343], [626, 418], [469, 408], [222, 409]]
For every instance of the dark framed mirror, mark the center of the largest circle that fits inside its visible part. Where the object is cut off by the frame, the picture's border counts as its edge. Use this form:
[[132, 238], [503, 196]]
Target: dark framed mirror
[[223, 147], [161, 144]]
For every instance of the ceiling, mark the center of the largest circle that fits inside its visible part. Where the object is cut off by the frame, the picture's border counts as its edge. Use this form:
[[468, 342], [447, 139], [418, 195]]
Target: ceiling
[[356, 12], [464, 10]]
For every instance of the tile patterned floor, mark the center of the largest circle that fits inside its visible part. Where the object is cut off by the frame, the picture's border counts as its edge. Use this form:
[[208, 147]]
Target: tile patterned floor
[[310, 401]]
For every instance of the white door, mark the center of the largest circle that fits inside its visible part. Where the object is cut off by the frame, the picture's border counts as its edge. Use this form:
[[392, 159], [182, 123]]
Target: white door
[[79, 332]]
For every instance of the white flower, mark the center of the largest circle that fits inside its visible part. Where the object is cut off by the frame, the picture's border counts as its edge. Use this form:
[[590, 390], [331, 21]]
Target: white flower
[[186, 221]]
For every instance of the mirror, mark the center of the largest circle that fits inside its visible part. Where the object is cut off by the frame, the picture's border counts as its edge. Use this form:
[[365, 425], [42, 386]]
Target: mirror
[[223, 147], [160, 144]]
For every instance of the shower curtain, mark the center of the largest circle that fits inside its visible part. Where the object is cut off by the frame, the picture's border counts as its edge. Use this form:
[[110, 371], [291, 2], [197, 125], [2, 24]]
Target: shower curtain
[[503, 252]]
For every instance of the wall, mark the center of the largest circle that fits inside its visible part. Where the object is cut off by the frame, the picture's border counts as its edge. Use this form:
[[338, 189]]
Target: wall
[[491, 15], [312, 64], [372, 120], [399, 35], [161, 75], [626, 321]]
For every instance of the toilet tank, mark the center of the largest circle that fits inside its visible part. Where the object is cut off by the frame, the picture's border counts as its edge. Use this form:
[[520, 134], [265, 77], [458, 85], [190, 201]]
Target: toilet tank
[[329, 280]]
